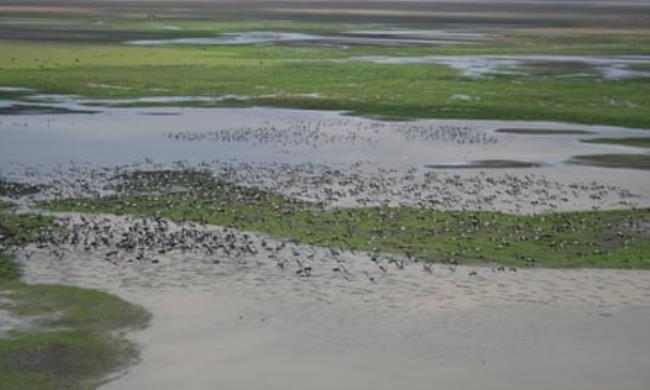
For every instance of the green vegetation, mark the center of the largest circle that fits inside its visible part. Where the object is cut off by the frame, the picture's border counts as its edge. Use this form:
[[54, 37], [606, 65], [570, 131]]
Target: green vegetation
[[85, 309], [288, 75], [616, 239], [9, 269], [70, 337], [19, 229], [16, 190], [59, 360], [614, 160], [638, 142]]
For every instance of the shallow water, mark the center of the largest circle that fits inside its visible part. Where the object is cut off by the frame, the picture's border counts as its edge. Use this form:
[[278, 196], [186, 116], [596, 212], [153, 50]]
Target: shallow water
[[476, 66], [115, 136], [423, 37], [308, 154]]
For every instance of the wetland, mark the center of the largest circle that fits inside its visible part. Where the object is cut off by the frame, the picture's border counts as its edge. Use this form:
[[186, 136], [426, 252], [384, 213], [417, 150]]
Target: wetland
[[324, 195]]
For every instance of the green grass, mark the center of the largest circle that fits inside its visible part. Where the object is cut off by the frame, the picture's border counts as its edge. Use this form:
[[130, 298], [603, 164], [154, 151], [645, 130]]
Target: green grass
[[9, 269], [19, 229], [83, 309], [74, 340], [276, 75], [367, 89], [638, 142], [616, 239], [614, 160], [16, 190], [59, 360], [74, 344]]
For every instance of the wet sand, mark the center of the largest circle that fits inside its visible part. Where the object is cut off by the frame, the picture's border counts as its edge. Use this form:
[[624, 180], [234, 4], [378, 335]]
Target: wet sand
[[246, 323], [199, 341]]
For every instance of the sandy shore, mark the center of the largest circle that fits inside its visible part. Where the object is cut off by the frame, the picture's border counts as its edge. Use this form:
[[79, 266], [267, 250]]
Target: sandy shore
[[206, 341], [244, 323]]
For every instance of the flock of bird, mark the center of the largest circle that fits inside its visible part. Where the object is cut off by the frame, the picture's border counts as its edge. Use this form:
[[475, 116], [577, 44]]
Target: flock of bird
[[321, 133], [148, 240], [314, 134], [364, 185], [461, 135], [151, 240], [349, 185]]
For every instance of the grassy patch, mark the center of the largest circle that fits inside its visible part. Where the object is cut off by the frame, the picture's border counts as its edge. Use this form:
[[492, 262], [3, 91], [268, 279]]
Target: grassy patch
[[9, 269], [74, 343], [18, 229], [16, 190], [78, 308], [614, 160], [60, 359], [638, 142], [618, 239]]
